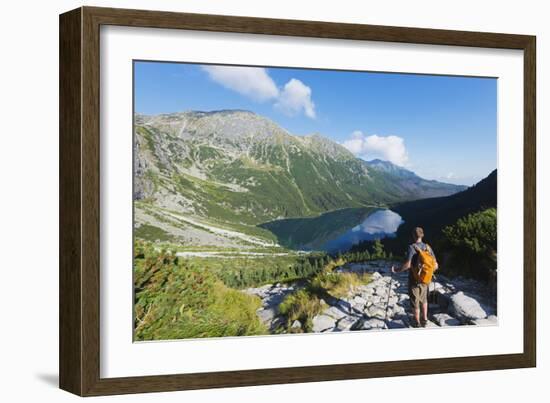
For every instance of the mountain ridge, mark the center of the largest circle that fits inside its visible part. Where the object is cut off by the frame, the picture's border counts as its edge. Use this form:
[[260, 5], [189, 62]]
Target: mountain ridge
[[238, 166]]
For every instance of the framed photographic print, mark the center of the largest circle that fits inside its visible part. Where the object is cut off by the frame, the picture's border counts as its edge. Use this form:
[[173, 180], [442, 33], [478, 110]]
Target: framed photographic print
[[249, 201]]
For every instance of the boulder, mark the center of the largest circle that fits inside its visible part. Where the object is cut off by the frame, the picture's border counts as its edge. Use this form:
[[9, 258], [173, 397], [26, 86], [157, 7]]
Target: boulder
[[398, 310], [322, 323], [397, 324], [376, 299], [375, 276], [442, 299], [372, 323], [377, 311], [367, 293], [443, 319], [296, 325], [345, 323], [334, 312], [266, 315], [393, 300], [465, 308]]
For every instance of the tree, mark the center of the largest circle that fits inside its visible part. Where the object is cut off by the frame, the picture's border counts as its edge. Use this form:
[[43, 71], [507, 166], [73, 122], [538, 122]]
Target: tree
[[473, 240], [378, 251], [475, 233]]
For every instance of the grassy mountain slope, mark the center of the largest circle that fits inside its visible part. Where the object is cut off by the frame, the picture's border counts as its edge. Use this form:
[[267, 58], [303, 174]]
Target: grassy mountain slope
[[235, 168]]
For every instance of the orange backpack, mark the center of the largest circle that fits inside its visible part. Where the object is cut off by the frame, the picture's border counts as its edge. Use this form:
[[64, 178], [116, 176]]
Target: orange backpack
[[423, 273]]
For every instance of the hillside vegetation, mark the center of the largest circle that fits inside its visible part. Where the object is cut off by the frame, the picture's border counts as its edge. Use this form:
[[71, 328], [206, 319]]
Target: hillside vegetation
[[175, 299], [238, 170]]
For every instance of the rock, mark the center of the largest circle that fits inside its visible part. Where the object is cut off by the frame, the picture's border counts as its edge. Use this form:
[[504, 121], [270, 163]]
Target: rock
[[376, 311], [296, 325], [375, 299], [367, 293], [434, 308], [345, 323], [266, 315], [443, 319], [438, 287], [381, 291], [322, 323], [334, 312], [372, 324], [277, 322], [375, 276], [403, 297], [442, 300], [398, 310], [465, 308], [397, 324], [342, 305], [393, 300], [489, 321], [359, 300]]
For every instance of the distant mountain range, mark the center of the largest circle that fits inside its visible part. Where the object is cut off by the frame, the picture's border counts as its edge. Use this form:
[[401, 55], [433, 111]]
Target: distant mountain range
[[239, 167]]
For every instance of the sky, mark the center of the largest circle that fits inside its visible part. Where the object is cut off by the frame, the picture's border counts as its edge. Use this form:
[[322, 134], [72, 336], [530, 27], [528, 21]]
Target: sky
[[440, 127]]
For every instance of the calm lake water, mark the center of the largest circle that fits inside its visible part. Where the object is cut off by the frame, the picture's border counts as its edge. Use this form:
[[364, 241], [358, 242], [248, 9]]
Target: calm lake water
[[378, 225], [337, 230]]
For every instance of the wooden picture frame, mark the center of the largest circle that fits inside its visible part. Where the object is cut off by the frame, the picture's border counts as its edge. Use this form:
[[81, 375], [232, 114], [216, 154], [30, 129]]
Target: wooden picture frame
[[79, 348]]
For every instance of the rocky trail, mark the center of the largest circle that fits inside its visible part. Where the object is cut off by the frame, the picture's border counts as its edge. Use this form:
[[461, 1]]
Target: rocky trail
[[384, 302]]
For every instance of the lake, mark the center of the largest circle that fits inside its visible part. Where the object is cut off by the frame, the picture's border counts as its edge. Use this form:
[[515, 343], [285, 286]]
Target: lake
[[335, 231]]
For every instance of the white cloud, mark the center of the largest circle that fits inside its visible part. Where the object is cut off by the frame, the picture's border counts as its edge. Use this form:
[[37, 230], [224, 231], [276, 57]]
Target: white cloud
[[295, 98], [253, 82], [389, 148]]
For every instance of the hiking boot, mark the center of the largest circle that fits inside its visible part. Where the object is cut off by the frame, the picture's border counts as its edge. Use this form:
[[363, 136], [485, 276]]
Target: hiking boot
[[424, 323]]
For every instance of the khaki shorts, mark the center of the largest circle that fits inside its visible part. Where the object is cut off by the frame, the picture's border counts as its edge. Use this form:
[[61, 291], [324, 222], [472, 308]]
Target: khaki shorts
[[418, 294]]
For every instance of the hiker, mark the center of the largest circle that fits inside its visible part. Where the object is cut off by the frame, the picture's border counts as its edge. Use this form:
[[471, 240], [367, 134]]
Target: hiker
[[421, 263]]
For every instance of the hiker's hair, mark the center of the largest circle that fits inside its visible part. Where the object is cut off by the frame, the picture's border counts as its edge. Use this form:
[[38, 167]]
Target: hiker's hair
[[418, 232]]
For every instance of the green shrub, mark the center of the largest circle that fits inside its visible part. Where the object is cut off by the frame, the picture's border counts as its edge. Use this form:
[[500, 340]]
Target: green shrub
[[253, 272], [175, 300], [472, 244]]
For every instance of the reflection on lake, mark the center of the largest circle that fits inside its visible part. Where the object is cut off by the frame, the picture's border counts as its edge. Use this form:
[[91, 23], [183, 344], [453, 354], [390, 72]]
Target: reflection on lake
[[337, 230], [378, 225]]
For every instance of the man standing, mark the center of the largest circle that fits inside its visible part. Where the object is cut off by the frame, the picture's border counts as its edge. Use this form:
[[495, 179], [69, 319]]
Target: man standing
[[418, 290]]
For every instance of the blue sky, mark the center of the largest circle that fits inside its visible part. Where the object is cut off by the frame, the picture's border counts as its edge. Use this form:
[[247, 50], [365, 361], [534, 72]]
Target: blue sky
[[440, 127]]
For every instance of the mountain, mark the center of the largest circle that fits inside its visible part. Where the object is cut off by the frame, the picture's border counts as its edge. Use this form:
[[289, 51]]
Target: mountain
[[402, 179], [436, 213], [237, 167]]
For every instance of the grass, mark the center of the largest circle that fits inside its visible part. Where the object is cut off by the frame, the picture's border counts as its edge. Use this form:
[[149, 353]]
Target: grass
[[152, 233], [339, 284], [176, 300], [308, 302], [303, 306]]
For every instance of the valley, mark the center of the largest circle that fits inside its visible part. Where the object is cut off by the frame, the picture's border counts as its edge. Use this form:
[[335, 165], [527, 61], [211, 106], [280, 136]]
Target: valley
[[230, 207]]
